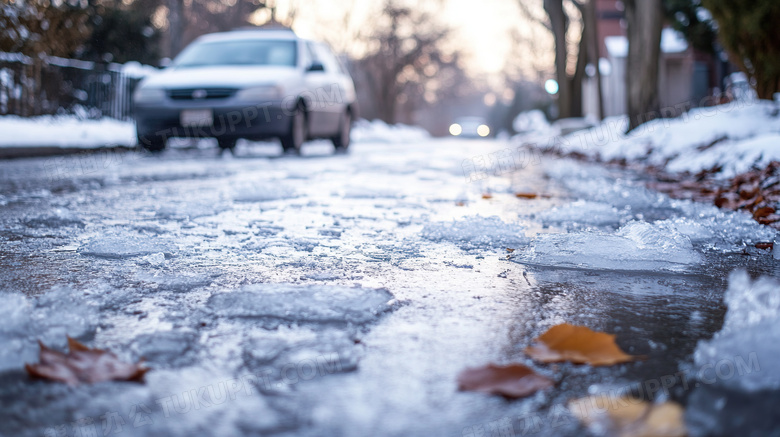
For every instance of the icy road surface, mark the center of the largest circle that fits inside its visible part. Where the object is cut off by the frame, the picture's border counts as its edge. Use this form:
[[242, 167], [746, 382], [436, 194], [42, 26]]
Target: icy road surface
[[341, 295]]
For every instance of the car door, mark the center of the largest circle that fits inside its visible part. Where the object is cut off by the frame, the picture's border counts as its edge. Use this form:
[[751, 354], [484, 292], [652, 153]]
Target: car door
[[329, 96]]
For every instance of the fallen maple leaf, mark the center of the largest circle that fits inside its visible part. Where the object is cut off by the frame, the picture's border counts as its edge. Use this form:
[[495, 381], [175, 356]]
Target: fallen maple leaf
[[460, 203], [83, 365], [509, 250], [512, 381], [526, 195], [630, 417], [577, 344], [487, 196]]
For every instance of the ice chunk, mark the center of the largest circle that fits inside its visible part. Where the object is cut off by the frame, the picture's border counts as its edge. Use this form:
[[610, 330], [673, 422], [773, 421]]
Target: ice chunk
[[749, 342], [48, 318], [280, 303], [126, 246], [583, 212], [635, 246], [476, 232], [154, 260], [168, 348]]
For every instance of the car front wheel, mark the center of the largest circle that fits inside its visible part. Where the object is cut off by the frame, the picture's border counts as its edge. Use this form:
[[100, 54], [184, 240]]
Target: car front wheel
[[296, 136], [341, 140], [152, 143]]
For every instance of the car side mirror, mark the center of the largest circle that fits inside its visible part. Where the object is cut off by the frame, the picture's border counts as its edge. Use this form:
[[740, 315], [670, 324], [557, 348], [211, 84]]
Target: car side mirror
[[316, 66]]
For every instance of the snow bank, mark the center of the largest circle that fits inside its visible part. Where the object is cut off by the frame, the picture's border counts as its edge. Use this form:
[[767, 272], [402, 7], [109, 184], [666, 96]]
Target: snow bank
[[281, 303], [377, 131], [751, 332], [637, 246], [735, 136], [476, 233], [65, 131]]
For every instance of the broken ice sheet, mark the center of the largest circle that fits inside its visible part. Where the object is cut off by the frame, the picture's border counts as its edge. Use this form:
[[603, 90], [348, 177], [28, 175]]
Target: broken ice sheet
[[476, 232], [635, 246], [127, 245], [282, 303]]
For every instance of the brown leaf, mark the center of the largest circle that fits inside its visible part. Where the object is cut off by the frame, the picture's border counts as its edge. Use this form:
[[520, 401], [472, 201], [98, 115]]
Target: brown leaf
[[512, 381], [460, 203], [765, 246], [629, 417], [83, 365], [765, 211], [509, 250], [487, 196], [526, 195], [577, 344]]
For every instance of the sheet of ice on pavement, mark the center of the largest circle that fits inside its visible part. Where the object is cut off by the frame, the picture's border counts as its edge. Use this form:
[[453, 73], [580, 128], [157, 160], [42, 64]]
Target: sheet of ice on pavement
[[127, 245], [283, 303], [750, 336], [58, 217], [476, 232], [49, 318], [584, 212], [636, 246], [263, 192]]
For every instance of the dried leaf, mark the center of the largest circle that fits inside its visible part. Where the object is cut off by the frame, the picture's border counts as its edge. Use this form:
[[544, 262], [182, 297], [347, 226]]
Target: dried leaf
[[512, 381], [509, 250], [460, 203], [629, 417], [526, 195], [83, 365], [487, 196], [577, 344]]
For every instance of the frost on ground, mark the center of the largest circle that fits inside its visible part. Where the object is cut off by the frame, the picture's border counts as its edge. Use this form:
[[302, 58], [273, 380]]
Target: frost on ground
[[751, 327], [476, 232], [281, 304]]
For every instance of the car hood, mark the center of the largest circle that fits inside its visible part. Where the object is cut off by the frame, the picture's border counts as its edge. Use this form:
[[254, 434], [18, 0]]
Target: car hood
[[228, 77]]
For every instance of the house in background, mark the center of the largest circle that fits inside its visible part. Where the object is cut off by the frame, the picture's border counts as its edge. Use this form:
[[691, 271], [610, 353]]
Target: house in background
[[686, 77]]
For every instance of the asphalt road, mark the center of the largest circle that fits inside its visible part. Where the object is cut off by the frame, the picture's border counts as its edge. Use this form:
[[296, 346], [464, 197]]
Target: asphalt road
[[342, 294]]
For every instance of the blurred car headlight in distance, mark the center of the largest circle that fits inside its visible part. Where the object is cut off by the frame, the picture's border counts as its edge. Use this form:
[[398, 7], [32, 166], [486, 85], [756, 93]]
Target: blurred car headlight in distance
[[148, 95], [260, 93], [456, 129], [483, 130]]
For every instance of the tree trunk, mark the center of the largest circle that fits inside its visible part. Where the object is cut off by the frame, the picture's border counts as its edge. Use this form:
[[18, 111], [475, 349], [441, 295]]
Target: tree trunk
[[591, 36], [645, 19], [579, 75], [175, 26], [559, 25]]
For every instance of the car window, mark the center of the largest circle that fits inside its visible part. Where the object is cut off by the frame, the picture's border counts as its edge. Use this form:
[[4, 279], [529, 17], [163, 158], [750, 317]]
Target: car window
[[242, 52], [327, 58]]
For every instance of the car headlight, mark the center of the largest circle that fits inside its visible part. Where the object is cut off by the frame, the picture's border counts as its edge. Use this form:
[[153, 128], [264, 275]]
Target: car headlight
[[260, 93], [148, 95], [483, 130], [456, 129]]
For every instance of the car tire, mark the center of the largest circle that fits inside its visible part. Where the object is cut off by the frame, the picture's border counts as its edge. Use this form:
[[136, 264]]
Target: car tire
[[341, 140], [226, 144], [297, 133], [152, 143]]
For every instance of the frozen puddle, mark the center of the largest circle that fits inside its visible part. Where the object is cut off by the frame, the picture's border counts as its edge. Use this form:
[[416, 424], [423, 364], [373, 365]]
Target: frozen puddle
[[476, 233], [583, 212], [281, 304], [127, 246], [635, 246]]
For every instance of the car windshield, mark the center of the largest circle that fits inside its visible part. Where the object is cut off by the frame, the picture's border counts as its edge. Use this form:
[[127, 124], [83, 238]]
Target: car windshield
[[243, 52]]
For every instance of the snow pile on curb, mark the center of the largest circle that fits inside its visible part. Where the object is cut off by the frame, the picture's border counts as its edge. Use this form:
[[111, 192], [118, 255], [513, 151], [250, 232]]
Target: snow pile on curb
[[751, 332], [377, 131], [735, 137], [65, 132]]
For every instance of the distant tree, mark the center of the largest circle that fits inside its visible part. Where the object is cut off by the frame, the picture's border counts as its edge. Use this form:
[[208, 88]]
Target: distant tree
[[645, 20], [404, 60], [750, 34], [36, 27], [691, 19], [123, 32]]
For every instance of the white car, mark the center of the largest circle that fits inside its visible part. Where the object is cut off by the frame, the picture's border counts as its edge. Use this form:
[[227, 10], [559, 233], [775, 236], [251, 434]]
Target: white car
[[471, 127], [252, 84]]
